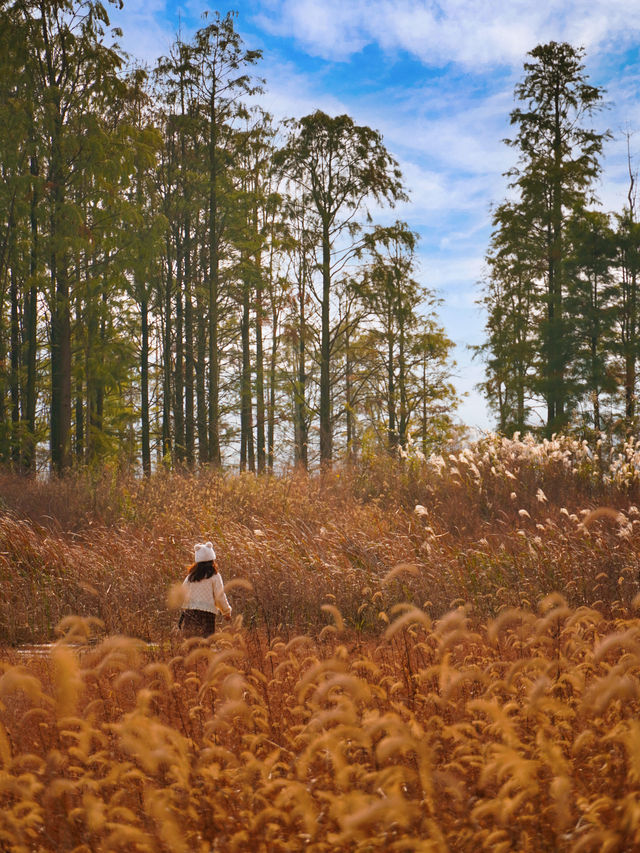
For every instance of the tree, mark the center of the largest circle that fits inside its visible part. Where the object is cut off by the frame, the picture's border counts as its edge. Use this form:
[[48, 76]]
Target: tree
[[179, 111], [404, 337], [254, 234], [511, 299], [628, 321], [72, 72], [222, 80], [146, 227], [392, 295], [591, 303], [18, 195], [337, 166], [559, 161], [299, 239], [167, 283]]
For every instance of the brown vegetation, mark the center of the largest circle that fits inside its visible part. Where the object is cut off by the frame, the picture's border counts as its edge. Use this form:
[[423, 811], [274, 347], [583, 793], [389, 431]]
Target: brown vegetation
[[402, 673], [521, 734], [501, 525]]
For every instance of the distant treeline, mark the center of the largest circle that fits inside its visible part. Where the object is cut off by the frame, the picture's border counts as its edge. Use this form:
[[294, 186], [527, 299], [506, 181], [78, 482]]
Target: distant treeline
[[182, 280], [561, 295]]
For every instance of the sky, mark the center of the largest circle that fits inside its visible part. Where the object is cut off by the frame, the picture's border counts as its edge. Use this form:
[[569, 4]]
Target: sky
[[437, 80]]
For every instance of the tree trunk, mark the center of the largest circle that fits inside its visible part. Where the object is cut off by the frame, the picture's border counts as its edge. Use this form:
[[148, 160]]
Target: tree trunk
[[424, 406], [201, 397], [402, 381], [301, 454], [98, 412], [325, 351], [392, 437], [189, 365], [271, 418], [214, 283], [246, 436], [79, 398], [60, 313], [144, 381], [31, 326], [348, 400], [630, 273], [178, 374], [60, 365], [260, 405], [555, 338], [14, 381], [91, 318], [166, 362]]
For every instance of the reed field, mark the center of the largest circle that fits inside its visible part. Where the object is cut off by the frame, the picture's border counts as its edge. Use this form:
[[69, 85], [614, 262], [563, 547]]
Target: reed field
[[426, 655]]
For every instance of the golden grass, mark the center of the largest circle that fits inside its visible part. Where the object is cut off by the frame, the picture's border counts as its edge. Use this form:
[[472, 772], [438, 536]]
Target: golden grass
[[428, 656], [499, 525], [520, 733]]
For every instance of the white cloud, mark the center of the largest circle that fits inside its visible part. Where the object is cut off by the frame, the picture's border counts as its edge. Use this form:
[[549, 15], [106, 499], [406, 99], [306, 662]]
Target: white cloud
[[471, 32], [292, 93], [147, 29]]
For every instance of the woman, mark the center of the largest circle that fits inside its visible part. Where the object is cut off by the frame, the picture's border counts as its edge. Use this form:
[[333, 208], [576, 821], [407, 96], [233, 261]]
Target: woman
[[203, 595]]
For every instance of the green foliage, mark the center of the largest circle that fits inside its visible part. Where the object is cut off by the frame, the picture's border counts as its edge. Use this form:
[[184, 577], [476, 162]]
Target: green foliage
[[161, 297], [336, 167], [535, 296]]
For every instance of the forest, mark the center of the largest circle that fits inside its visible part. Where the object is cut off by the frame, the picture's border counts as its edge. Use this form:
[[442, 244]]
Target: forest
[[185, 281], [561, 291]]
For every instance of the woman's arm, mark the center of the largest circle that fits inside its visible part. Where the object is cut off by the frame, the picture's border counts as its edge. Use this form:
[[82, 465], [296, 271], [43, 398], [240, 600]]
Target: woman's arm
[[219, 596]]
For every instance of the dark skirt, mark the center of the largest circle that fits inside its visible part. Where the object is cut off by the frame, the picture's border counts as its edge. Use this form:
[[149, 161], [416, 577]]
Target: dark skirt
[[197, 623]]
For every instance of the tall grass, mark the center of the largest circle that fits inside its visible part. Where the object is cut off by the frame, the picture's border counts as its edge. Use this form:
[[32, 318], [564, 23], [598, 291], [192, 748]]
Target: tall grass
[[499, 525], [426, 655], [518, 733]]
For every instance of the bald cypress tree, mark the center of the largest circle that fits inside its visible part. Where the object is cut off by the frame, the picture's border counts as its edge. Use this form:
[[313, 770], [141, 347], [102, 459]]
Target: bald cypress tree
[[72, 72], [338, 167], [223, 80], [559, 162]]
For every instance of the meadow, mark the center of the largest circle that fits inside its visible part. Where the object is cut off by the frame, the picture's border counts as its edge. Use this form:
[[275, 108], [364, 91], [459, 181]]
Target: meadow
[[426, 655]]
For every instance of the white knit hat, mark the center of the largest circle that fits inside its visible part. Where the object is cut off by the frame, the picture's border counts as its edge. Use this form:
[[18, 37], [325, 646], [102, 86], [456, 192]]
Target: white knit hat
[[204, 552]]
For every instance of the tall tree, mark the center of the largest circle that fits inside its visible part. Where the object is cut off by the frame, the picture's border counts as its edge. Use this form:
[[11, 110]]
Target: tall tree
[[591, 303], [511, 301], [559, 160], [392, 295], [223, 80], [628, 265], [299, 241], [338, 167], [404, 336], [150, 253], [146, 225], [255, 235], [18, 187], [72, 72]]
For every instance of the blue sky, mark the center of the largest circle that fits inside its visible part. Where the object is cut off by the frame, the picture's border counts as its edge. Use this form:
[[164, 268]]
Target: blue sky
[[436, 79]]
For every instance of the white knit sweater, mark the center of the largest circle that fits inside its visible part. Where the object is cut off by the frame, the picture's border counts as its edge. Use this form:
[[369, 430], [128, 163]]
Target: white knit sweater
[[207, 594]]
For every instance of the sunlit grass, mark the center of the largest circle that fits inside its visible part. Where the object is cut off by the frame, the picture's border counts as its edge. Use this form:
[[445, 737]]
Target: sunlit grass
[[501, 524], [519, 733], [426, 655]]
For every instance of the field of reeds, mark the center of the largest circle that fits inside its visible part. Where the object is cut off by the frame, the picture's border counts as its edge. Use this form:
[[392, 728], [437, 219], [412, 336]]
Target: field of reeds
[[426, 655]]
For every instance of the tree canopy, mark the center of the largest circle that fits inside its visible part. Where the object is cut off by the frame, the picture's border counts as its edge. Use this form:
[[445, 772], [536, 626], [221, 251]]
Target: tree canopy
[[183, 280], [561, 348]]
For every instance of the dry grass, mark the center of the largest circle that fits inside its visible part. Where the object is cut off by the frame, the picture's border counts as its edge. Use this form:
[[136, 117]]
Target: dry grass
[[520, 733], [501, 525], [402, 673]]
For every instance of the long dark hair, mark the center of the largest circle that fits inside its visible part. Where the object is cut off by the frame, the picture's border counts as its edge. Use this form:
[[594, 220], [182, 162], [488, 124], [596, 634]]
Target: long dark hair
[[200, 571]]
